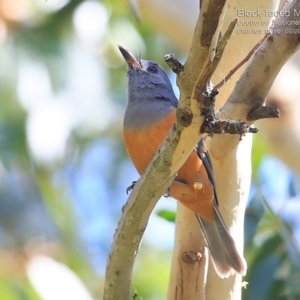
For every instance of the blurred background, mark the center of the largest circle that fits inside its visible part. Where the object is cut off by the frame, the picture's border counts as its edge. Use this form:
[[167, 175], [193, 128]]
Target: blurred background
[[64, 169]]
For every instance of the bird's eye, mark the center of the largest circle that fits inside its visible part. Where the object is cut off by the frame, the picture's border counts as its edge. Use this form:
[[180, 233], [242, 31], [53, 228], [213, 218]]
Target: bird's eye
[[152, 69]]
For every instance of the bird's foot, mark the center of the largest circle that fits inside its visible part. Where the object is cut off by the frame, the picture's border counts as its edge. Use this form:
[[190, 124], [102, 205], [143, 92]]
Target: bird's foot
[[130, 188]]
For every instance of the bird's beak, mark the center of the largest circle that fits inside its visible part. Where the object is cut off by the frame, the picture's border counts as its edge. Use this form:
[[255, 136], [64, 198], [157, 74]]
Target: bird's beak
[[129, 58]]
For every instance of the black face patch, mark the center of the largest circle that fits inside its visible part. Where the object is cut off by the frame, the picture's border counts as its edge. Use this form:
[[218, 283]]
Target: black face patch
[[152, 69]]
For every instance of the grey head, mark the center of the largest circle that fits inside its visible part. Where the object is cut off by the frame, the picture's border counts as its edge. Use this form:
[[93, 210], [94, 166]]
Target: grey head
[[150, 92]]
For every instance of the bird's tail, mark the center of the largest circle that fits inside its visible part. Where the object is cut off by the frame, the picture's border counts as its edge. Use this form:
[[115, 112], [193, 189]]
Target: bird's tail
[[225, 257]]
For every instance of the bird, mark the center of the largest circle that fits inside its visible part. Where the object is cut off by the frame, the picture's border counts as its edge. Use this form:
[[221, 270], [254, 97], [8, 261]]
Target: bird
[[149, 115]]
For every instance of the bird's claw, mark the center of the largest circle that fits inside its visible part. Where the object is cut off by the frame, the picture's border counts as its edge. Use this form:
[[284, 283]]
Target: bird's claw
[[130, 188], [168, 193]]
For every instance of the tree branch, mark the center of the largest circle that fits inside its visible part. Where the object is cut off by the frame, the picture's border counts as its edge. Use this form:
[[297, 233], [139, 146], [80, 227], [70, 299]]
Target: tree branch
[[169, 158]]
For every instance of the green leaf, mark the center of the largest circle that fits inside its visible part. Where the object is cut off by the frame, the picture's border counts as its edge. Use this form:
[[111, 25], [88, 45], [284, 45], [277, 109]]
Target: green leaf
[[167, 215]]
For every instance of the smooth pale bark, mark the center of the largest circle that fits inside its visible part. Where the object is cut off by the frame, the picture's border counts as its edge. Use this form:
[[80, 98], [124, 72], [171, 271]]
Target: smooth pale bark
[[250, 91]]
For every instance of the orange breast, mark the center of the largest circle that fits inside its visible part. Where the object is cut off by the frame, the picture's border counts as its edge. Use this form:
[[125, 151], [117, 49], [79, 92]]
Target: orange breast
[[141, 145]]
